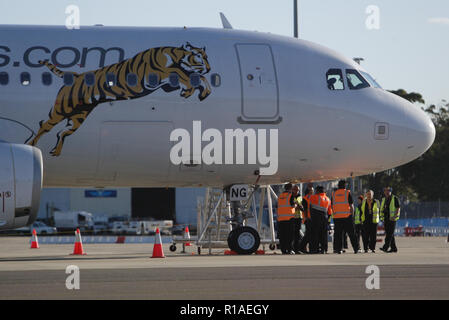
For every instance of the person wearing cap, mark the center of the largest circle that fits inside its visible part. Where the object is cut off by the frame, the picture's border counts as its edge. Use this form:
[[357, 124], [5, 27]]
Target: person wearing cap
[[306, 240], [297, 220], [285, 215], [358, 227], [320, 210], [369, 218], [343, 209], [389, 214]]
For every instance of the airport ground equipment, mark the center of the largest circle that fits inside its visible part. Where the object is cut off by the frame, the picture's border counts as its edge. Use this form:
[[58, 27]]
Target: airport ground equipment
[[222, 223]]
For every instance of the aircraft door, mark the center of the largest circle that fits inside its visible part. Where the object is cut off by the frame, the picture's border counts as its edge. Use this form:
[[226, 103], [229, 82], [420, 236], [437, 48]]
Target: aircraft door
[[260, 93]]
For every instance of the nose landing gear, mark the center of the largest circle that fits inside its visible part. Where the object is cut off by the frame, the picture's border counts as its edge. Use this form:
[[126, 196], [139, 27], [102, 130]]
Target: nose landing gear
[[223, 221]]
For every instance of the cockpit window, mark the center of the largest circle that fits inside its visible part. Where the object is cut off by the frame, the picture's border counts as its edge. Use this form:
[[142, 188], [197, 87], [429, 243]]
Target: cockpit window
[[355, 80], [371, 80], [334, 78]]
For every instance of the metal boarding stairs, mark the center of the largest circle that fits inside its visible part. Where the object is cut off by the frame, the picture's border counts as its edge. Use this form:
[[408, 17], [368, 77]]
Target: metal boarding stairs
[[213, 220]]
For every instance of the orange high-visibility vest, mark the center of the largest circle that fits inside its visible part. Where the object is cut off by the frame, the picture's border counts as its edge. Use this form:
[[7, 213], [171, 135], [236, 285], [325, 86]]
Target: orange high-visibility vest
[[340, 204], [320, 202], [285, 210]]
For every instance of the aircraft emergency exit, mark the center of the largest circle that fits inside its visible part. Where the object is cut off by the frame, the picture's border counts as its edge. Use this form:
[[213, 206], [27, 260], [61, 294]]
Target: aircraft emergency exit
[[187, 107]]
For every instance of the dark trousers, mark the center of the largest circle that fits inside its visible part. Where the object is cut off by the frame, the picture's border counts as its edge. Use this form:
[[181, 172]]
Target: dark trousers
[[389, 235], [319, 232], [369, 235], [306, 240], [358, 230], [286, 231], [297, 234], [344, 225], [345, 240]]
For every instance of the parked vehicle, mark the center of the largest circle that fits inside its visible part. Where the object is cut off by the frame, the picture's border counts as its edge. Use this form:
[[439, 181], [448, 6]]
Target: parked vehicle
[[133, 227], [165, 226], [71, 220], [118, 227], [100, 227], [178, 230], [113, 219], [40, 227]]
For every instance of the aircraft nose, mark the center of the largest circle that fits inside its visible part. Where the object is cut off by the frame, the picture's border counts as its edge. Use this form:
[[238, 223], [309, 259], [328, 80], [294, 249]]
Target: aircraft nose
[[420, 132]]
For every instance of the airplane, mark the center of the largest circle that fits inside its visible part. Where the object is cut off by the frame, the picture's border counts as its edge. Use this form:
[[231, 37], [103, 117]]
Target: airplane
[[187, 107]]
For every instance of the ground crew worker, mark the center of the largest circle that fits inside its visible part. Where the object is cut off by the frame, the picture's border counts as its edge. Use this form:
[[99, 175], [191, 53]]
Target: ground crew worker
[[297, 220], [320, 211], [306, 240], [358, 227], [370, 210], [344, 236], [389, 214], [285, 214], [343, 209]]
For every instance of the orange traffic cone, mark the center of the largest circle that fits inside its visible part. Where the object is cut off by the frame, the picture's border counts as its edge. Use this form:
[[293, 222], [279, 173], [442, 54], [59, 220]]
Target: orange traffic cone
[[34, 243], [78, 250], [157, 249], [187, 236]]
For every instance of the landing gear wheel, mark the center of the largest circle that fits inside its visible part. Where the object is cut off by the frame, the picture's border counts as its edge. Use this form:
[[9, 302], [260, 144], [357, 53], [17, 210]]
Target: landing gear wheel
[[231, 240], [244, 240], [172, 248], [272, 246]]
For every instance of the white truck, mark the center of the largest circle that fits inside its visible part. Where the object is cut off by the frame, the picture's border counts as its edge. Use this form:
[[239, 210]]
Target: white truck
[[164, 226], [70, 220], [40, 227]]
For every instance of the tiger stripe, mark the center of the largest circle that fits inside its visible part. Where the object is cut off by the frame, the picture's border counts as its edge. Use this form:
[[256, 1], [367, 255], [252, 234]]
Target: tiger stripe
[[75, 102]]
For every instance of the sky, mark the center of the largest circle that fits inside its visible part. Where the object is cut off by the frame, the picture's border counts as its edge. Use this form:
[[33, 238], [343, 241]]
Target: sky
[[408, 50]]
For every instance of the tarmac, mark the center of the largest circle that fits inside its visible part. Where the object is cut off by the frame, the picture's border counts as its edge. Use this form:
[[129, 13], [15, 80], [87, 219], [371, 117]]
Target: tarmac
[[420, 270]]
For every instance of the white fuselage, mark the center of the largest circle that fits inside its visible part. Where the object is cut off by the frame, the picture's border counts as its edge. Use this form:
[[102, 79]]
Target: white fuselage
[[266, 82]]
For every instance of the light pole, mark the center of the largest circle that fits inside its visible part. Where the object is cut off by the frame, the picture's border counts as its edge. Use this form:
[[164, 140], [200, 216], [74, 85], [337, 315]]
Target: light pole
[[295, 18]]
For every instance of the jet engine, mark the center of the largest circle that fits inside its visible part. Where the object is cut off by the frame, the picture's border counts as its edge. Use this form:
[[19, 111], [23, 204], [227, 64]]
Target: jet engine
[[20, 184]]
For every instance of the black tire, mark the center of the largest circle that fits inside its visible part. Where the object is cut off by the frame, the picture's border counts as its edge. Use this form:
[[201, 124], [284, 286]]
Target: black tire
[[272, 246], [199, 250], [245, 240], [231, 240], [172, 248]]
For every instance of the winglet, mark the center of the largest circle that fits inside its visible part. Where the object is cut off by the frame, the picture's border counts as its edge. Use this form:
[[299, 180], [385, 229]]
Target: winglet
[[225, 22]]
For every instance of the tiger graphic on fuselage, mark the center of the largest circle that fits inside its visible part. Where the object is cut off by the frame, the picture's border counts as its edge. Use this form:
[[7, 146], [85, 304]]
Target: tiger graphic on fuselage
[[75, 102]]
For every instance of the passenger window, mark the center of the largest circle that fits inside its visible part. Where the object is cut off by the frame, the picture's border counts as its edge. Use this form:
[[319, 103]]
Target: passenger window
[[68, 79], [110, 79], [355, 80], [89, 78], [215, 80], [25, 78], [173, 79], [46, 78], [334, 78], [4, 78], [195, 80], [131, 79], [153, 80]]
